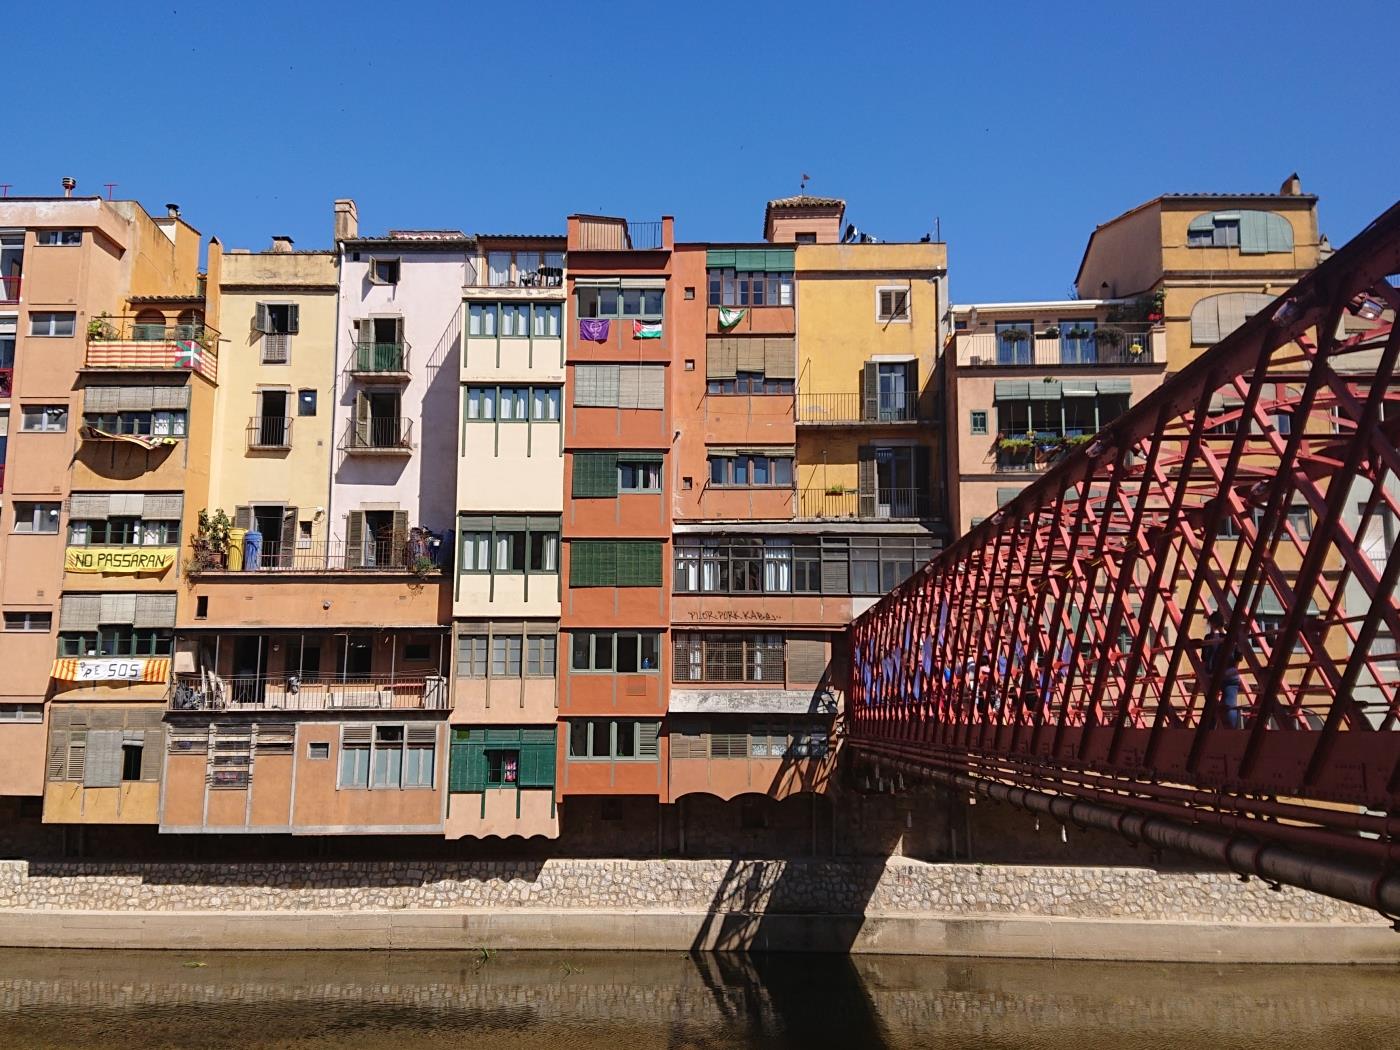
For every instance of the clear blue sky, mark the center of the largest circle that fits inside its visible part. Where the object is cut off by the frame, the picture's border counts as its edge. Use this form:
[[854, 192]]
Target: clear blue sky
[[1019, 124]]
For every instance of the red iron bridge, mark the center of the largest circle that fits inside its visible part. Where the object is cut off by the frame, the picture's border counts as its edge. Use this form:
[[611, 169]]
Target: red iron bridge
[[1185, 632]]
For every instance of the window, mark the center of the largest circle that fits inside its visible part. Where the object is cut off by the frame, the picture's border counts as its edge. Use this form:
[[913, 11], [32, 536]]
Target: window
[[124, 532], [21, 712], [806, 237], [751, 470], [417, 652], [387, 756], [512, 404], [201, 607], [892, 304], [116, 640], [977, 421], [502, 767], [33, 622], [638, 476], [36, 517], [749, 383], [306, 402], [384, 271], [57, 325], [540, 655], [728, 657], [1222, 231], [1253, 232], [1216, 316], [159, 423], [548, 321], [131, 761], [510, 545], [615, 563], [633, 303], [544, 404], [505, 656], [476, 552], [619, 386], [617, 740], [318, 750], [471, 656], [802, 565], [49, 419], [63, 238], [729, 287], [626, 652]]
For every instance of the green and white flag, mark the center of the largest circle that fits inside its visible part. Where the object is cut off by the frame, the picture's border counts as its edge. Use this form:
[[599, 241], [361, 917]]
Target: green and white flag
[[646, 330], [729, 317]]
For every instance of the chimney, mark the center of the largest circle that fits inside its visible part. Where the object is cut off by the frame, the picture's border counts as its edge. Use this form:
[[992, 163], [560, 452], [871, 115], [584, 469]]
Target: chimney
[[347, 220], [1292, 186], [69, 185], [172, 210], [281, 245]]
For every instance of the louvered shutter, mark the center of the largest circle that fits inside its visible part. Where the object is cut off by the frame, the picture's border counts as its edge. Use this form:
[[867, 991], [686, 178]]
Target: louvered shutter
[[592, 563], [288, 539], [101, 399], [836, 567], [596, 386], [537, 756], [293, 319], [595, 474], [361, 438], [356, 735], [400, 534], [262, 321], [780, 357], [355, 539], [870, 391], [80, 612], [647, 734], [729, 745], [865, 480], [104, 758], [629, 386], [165, 507], [118, 608], [721, 357], [751, 354], [651, 386], [806, 660], [58, 755], [467, 761], [243, 517], [152, 610], [152, 748], [88, 507], [77, 758], [170, 397], [638, 564]]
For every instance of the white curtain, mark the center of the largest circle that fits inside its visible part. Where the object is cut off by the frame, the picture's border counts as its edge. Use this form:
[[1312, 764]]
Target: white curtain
[[777, 566]]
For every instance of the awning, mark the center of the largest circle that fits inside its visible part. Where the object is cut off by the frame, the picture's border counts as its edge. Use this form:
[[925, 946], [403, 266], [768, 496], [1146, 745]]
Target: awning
[[1080, 388], [92, 433], [1044, 391], [1012, 390], [136, 694], [750, 702], [1115, 386]]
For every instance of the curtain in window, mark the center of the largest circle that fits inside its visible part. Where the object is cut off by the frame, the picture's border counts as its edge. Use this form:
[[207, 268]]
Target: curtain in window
[[550, 552], [777, 566], [710, 578], [499, 267], [546, 404], [474, 550]]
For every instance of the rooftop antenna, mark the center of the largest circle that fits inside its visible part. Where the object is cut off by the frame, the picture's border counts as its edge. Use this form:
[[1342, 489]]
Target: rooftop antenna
[[110, 187], [938, 229], [805, 179], [5, 188]]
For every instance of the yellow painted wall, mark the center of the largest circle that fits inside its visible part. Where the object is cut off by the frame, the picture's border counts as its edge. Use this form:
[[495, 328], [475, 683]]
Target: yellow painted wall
[[299, 477]]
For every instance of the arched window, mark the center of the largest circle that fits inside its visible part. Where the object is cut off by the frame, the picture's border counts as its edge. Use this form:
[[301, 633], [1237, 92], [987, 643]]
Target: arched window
[[149, 326], [1252, 232], [190, 325], [1216, 316]]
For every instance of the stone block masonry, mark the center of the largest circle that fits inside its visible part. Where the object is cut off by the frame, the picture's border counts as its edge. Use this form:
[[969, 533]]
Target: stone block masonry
[[899, 906]]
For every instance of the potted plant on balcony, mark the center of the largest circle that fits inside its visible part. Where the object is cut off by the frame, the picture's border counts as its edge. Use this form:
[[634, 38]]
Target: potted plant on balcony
[[1109, 336], [1015, 443], [209, 543], [1014, 336], [1157, 306], [1079, 332], [1049, 333], [100, 327], [836, 490]]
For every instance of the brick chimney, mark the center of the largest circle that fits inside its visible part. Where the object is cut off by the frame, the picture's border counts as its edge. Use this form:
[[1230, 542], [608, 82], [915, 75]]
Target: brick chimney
[[347, 220]]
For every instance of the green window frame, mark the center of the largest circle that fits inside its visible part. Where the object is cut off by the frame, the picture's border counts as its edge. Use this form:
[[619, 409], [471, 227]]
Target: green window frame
[[508, 545], [615, 563], [124, 532], [515, 320], [470, 765], [631, 303], [117, 640], [172, 423], [977, 421]]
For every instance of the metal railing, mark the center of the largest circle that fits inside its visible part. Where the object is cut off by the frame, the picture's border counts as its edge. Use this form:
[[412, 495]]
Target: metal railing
[[602, 233], [381, 434], [847, 503], [737, 661], [644, 234], [9, 289], [127, 329], [312, 692], [542, 276], [839, 409], [124, 342], [269, 432], [1108, 346], [380, 357], [370, 556]]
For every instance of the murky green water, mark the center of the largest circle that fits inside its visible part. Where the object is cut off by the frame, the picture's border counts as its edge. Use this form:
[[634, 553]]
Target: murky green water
[[627, 1001]]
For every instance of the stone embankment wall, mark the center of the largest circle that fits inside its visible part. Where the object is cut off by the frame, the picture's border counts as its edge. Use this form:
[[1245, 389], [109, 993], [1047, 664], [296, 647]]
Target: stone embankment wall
[[748, 887]]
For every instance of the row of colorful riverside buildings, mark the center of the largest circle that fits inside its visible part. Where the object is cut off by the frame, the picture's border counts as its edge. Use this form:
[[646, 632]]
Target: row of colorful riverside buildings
[[467, 535]]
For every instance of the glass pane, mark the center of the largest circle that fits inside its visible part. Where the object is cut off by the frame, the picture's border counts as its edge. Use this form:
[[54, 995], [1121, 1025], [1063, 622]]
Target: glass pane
[[602, 652], [650, 644], [626, 653], [626, 740], [580, 649]]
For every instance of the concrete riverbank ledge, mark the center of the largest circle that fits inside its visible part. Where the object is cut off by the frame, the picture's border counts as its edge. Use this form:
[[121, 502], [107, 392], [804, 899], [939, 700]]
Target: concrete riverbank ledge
[[899, 906]]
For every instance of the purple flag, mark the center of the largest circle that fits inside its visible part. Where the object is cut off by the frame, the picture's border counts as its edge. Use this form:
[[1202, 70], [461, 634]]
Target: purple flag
[[594, 329]]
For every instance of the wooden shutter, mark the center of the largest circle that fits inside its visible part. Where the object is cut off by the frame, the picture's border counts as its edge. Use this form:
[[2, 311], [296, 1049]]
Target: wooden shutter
[[647, 734], [751, 357], [806, 660], [729, 745], [118, 608], [355, 539], [870, 391], [537, 754], [261, 319], [80, 612], [293, 319], [58, 755], [596, 386], [638, 563], [89, 507], [288, 538], [909, 410], [780, 357], [595, 474], [243, 517], [865, 479], [152, 610], [104, 758], [629, 379], [467, 762], [923, 485], [151, 751], [721, 356], [651, 386], [361, 438], [400, 531], [165, 507]]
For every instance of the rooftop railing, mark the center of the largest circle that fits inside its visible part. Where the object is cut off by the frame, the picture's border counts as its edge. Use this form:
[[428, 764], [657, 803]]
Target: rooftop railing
[[1065, 346]]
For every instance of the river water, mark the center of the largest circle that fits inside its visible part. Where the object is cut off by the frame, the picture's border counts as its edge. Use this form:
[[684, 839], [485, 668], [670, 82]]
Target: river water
[[634, 1001]]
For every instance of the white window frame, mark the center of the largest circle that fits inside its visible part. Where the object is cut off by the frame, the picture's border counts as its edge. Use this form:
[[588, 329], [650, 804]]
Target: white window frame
[[26, 627], [53, 316], [45, 411], [61, 238], [908, 316], [37, 516], [10, 712]]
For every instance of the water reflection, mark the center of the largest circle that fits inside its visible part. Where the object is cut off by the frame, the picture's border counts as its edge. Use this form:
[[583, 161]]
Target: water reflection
[[627, 1001]]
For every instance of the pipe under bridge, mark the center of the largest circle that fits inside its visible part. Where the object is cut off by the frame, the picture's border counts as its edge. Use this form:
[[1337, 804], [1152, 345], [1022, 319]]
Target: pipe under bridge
[[1061, 655]]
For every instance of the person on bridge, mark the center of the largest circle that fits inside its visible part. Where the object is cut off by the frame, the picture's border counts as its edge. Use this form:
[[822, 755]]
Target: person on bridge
[[1212, 649]]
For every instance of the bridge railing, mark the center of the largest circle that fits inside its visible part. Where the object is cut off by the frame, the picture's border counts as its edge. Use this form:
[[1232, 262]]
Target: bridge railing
[[1204, 595]]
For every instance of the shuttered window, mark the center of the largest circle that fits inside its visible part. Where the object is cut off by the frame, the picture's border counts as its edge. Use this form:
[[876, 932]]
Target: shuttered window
[[623, 740], [595, 474], [499, 757], [595, 386], [614, 563], [619, 386], [388, 757], [107, 399], [1216, 316]]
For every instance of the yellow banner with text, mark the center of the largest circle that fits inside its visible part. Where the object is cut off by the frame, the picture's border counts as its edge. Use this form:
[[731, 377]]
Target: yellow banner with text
[[119, 560]]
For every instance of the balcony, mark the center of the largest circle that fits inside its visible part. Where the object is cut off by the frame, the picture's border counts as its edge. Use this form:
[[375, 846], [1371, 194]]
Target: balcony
[[269, 434], [381, 361], [850, 409], [125, 343], [9, 289], [846, 504], [210, 692], [1035, 452], [378, 436], [1106, 346], [387, 556], [601, 233]]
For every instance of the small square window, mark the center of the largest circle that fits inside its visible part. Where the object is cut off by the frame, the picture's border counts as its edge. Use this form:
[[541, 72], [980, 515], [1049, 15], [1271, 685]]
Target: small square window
[[978, 421], [892, 304], [201, 607], [806, 238], [689, 292], [384, 271], [687, 484], [33, 622], [306, 402], [690, 364], [318, 750]]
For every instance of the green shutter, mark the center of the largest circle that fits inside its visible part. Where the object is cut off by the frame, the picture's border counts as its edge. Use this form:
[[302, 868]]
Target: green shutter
[[780, 260], [467, 768], [719, 259], [750, 259], [643, 457], [592, 563], [595, 474], [537, 751], [638, 564]]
